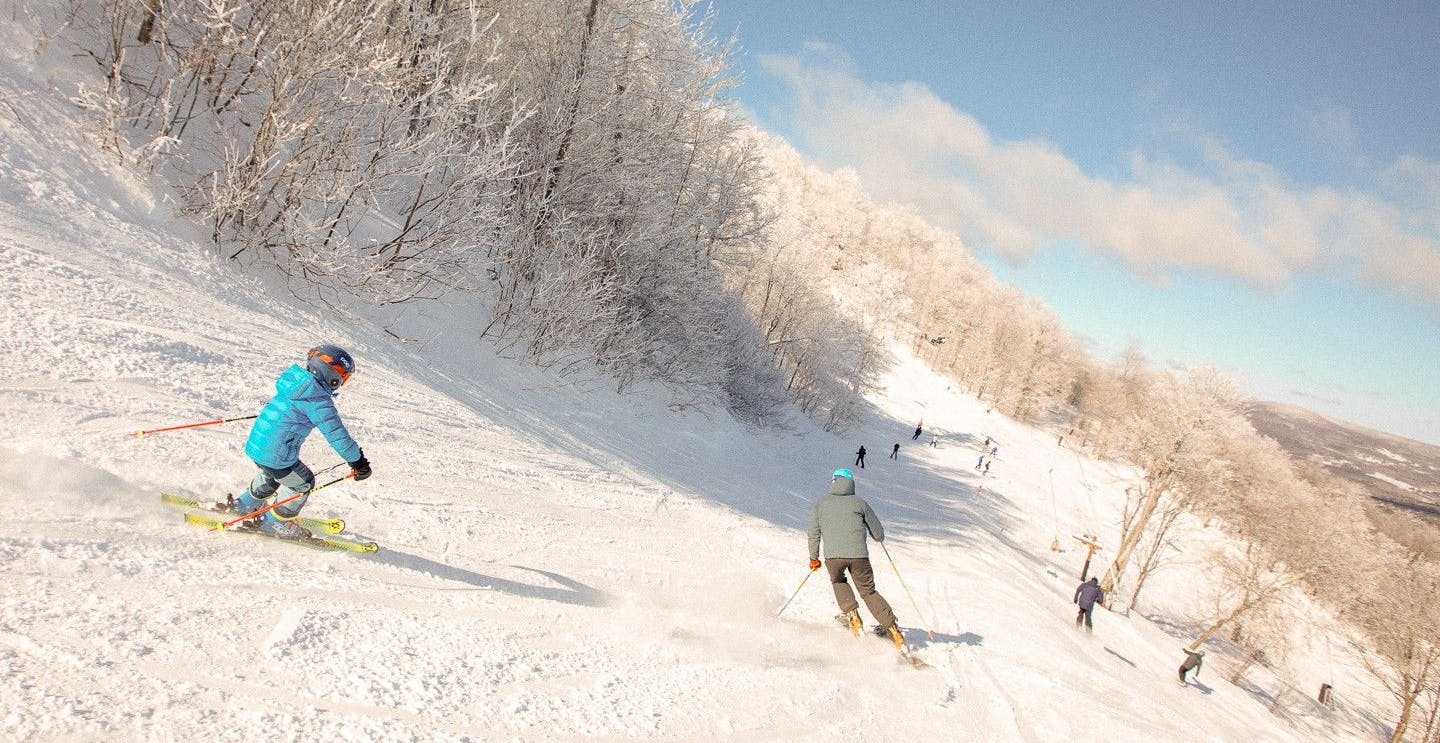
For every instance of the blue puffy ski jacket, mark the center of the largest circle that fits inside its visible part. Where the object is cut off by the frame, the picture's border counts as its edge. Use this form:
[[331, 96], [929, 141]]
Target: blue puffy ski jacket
[[301, 403]]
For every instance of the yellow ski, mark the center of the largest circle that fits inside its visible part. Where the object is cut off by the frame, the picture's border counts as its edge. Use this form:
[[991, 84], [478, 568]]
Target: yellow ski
[[326, 526], [313, 542]]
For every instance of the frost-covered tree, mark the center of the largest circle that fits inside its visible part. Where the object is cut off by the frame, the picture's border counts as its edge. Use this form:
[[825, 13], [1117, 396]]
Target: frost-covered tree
[[358, 145], [822, 329], [1158, 538], [1400, 613], [635, 188], [1005, 348], [1171, 436]]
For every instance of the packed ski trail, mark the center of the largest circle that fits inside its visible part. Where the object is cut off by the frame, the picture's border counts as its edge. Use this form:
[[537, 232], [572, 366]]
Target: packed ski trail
[[559, 561]]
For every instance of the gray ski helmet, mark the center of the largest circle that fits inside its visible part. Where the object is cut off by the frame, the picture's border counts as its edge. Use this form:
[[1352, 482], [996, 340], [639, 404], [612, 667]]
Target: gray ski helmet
[[331, 365]]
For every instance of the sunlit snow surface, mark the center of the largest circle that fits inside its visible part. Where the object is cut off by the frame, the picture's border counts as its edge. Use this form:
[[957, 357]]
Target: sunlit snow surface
[[558, 561]]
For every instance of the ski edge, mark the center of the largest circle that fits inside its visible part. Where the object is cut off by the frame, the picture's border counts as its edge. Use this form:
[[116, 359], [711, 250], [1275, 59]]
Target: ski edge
[[314, 542], [328, 526], [907, 653]]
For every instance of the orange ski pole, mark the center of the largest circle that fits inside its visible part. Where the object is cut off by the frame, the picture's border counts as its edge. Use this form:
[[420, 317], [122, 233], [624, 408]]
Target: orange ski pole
[[139, 434]]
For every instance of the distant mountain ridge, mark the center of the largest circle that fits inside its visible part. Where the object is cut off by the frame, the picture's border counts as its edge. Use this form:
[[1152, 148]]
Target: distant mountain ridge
[[1397, 472]]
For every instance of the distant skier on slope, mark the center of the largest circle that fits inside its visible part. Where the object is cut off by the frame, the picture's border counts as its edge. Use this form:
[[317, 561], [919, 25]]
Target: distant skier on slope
[[1193, 660], [303, 401], [842, 520], [895, 452], [918, 428], [860, 457], [1087, 595]]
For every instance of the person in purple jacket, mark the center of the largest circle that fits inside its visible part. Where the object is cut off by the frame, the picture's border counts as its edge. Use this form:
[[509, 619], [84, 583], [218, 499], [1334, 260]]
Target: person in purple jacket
[[1086, 596], [304, 400]]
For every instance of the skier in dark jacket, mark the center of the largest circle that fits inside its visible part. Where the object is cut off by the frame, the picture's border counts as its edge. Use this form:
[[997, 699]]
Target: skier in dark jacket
[[1193, 660], [860, 457], [1086, 596], [303, 401], [842, 519], [918, 428]]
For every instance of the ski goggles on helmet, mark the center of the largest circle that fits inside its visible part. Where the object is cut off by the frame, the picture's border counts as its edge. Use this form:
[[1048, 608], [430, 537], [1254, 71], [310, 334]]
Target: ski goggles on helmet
[[341, 369]]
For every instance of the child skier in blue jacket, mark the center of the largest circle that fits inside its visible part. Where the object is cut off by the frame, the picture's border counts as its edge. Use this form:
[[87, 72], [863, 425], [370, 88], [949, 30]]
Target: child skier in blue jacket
[[303, 401]]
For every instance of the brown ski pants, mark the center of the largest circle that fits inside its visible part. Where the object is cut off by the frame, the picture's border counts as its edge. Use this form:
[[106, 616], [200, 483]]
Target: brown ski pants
[[864, 577]]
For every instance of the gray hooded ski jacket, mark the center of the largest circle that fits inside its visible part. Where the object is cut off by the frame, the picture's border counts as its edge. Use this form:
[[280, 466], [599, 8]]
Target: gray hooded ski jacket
[[842, 518]]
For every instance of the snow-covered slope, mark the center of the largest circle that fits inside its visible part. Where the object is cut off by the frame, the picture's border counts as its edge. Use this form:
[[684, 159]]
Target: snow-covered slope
[[559, 561]]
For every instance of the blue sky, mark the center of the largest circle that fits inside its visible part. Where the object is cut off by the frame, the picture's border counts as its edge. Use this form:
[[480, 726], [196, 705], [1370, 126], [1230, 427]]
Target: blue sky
[[1250, 185]]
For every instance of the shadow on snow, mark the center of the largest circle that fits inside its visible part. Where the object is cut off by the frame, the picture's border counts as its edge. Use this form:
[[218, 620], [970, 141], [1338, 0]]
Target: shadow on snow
[[568, 591]]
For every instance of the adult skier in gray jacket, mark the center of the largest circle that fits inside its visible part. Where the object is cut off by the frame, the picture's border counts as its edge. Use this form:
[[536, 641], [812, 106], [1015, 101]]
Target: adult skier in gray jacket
[[841, 520]]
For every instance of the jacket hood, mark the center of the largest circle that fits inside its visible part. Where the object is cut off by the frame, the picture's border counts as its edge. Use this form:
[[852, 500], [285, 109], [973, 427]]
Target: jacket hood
[[842, 486], [298, 383]]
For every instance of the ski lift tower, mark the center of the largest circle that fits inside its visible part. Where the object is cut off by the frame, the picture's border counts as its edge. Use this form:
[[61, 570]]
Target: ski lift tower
[[1092, 546]]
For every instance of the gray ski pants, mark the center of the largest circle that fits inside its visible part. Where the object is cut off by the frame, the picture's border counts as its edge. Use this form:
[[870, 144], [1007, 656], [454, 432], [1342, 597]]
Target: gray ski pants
[[296, 478], [864, 577]]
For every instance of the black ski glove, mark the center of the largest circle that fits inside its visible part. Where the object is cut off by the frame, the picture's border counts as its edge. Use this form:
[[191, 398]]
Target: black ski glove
[[361, 468]]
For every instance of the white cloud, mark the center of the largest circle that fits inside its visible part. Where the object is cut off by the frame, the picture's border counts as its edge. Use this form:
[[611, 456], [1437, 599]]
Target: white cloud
[[1228, 216]]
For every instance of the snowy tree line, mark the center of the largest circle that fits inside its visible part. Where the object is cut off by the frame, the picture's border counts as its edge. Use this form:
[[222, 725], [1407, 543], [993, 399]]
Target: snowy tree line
[[572, 162], [893, 276], [576, 164]]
